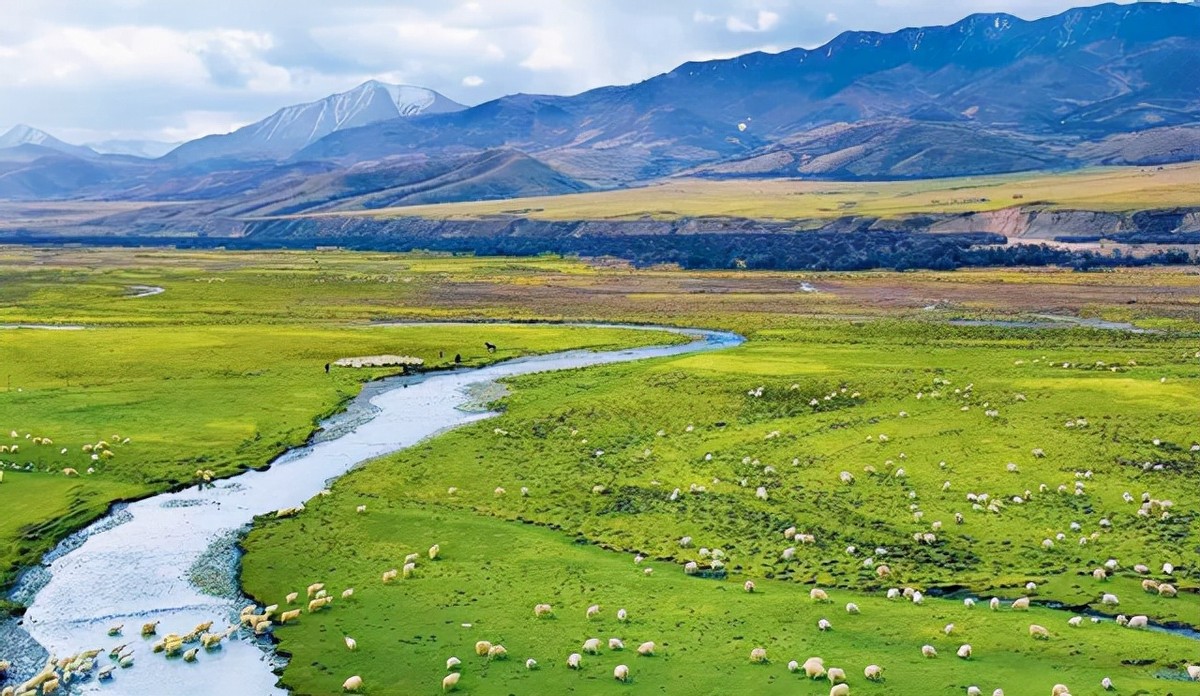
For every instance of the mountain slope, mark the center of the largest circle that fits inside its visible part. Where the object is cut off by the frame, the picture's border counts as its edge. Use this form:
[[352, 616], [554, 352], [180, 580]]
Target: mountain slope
[[294, 127], [1006, 83]]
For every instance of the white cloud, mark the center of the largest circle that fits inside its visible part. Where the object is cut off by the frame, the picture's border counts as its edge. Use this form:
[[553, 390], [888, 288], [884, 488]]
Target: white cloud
[[550, 53], [472, 81], [831, 18], [701, 17], [765, 21]]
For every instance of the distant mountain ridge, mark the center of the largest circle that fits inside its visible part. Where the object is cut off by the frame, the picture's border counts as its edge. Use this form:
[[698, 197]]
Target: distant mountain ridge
[[23, 135], [294, 127], [1110, 84]]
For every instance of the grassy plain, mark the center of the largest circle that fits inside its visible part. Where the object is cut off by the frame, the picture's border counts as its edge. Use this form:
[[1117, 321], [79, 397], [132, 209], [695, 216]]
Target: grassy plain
[[494, 570], [220, 375], [1111, 189], [225, 317]]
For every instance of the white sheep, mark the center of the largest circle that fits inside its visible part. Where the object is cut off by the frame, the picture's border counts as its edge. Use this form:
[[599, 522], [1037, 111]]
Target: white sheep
[[353, 683], [839, 690], [928, 651], [1075, 621], [814, 668], [450, 681], [748, 586], [836, 675], [621, 673], [1038, 632], [818, 595], [873, 672], [616, 644], [758, 655], [351, 644], [434, 551], [540, 610], [646, 649], [593, 611], [452, 663], [531, 663], [1020, 604], [793, 666], [964, 651], [1138, 621], [592, 646], [1107, 684], [623, 615], [1109, 600], [824, 625], [851, 608]]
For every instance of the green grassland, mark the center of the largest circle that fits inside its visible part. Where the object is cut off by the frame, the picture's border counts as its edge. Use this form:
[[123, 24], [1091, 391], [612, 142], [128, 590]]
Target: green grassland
[[570, 546], [225, 369], [206, 376], [1112, 189]]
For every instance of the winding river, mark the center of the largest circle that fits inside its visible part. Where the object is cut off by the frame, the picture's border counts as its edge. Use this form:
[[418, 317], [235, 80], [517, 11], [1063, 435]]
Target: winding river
[[138, 564]]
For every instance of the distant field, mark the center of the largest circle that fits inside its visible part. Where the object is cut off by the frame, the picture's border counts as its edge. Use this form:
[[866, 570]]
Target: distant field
[[1119, 189]]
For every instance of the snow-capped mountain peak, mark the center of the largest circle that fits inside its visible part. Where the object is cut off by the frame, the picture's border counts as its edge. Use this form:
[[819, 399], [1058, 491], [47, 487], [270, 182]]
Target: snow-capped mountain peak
[[293, 128]]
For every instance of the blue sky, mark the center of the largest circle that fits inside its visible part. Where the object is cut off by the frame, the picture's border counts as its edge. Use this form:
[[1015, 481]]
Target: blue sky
[[177, 69]]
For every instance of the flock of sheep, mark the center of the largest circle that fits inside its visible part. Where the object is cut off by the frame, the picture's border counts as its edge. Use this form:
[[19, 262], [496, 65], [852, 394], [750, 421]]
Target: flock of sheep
[[95, 453]]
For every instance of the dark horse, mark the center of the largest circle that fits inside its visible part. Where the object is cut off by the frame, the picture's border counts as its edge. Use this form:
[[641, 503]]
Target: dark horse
[[491, 347]]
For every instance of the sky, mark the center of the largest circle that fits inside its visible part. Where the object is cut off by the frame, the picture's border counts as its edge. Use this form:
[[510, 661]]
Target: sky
[[172, 70]]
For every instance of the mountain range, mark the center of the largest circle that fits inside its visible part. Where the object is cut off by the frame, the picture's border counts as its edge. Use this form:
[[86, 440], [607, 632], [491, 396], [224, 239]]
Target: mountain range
[[1110, 84]]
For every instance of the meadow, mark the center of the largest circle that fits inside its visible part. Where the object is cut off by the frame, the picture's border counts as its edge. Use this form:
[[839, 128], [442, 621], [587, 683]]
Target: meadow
[[225, 368], [1110, 189], [220, 373]]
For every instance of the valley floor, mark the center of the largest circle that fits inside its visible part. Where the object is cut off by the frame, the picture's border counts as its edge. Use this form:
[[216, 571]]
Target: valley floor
[[854, 373]]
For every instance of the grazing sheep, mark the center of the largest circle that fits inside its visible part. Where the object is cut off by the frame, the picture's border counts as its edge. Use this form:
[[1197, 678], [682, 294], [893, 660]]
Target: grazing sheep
[[408, 570], [482, 648], [1110, 600], [352, 684], [748, 586], [1060, 690], [623, 615], [691, 568], [1107, 684], [818, 595], [574, 660], [994, 603], [497, 652], [541, 610], [964, 651], [351, 644], [150, 628], [621, 673], [348, 593], [948, 629], [1138, 622], [851, 608], [453, 663], [968, 602], [1075, 621], [616, 644], [1021, 604], [758, 655], [836, 675], [840, 690], [292, 597], [814, 668], [531, 664], [1038, 632], [646, 649], [1167, 590], [974, 691], [883, 570], [318, 604], [592, 646], [434, 551], [873, 672], [824, 625], [289, 616], [314, 588], [1193, 672], [450, 681], [593, 611]]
